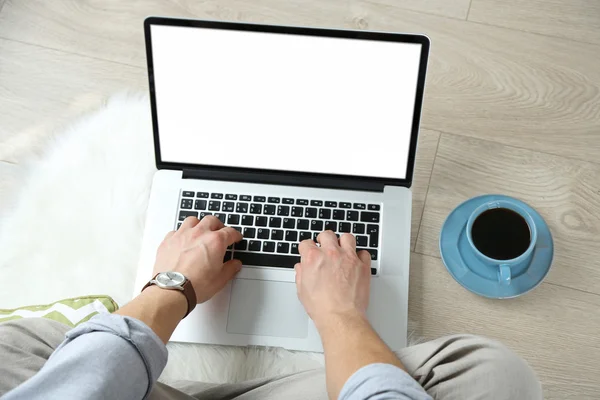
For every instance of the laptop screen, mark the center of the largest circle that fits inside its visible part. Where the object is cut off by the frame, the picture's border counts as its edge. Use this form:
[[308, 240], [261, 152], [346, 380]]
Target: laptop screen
[[284, 102]]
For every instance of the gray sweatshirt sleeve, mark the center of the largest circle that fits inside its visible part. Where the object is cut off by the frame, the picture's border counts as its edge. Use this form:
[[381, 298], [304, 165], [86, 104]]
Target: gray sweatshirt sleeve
[[382, 382], [108, 357]]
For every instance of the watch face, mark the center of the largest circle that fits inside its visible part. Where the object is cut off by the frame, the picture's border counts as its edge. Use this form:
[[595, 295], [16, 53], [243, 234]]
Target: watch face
[[170, 279]]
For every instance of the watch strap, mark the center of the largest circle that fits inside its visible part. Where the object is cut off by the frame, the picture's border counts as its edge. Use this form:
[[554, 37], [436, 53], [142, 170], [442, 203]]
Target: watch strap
[[188, 291]]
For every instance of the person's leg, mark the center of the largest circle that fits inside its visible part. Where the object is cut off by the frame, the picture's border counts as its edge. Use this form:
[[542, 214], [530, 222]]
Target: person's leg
[[25, 345], [470, 367]]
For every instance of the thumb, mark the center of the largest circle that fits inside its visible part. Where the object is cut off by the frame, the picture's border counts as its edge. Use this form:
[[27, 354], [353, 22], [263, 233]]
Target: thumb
[[229, 271]]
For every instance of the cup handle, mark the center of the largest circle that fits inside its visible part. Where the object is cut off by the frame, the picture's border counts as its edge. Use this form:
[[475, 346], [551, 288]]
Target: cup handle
[[504, 274]]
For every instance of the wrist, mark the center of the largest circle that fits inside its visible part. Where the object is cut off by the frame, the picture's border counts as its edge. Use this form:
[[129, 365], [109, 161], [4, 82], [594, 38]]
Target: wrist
[[167, 300], [338, 321]]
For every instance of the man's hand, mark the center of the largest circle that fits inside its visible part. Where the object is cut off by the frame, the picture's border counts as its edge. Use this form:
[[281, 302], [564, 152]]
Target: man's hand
[[196, 250], [333, 279]]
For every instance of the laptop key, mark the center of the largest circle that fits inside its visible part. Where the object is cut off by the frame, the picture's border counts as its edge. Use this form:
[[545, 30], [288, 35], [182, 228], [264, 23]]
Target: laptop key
[[184, 214], [221, 217], [237, 228], [372, 229], [373, 271], [339, 215], [260, 199], [186, 204], [358, 228], [202, 195], [331, 226], [277, 234], [264, 233], [360, 206], [345, 227], [261, 221], [291, 236], [362, 240], [241, 245], [283, 210], [372, 251], [200, 205], [233, 219], [374, 240], [255, 208], [245, 197], [289, 223], [204, 214], [304, 236], [315, 236], [249, 233], [331, 204], [178, 225], [303, 224], [228, 206], [297, 212], [253, 245], [325, 213], [268, 260], [295, 248], [275, 200], [287, 200], [275, 222], [216, 196], [373, 207], [227, 257], [316, 225], [367, 216], [302, 202], [316, 203], [214, 205], [345, 205], [269, 247], [187, 194], [283, 247], [247, 220], [241, 208], [352, 215], [231, 197], [310, 212], [270, 209]]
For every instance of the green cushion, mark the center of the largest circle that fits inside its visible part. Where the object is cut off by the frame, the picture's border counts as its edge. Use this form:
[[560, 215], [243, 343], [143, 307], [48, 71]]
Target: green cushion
[[70, 312]]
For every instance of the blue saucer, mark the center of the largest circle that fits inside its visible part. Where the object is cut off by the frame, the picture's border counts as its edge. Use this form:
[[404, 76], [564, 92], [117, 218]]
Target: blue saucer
[[467, 270]]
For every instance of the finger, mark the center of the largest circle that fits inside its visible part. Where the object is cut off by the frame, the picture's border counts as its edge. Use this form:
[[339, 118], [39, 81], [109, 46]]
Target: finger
[[210, 223], [365, 257], [328, 239], [189, 222], [230, 235], [348, 242], [168, 235], [229, 271], [305, 245]]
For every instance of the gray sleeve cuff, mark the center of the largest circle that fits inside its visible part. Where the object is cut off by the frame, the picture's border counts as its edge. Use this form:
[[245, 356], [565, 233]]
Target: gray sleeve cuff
[[151, 349], [382, 381]]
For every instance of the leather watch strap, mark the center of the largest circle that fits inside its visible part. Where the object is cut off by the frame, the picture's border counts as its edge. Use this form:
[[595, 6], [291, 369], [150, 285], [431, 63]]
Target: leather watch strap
[[188, 291]]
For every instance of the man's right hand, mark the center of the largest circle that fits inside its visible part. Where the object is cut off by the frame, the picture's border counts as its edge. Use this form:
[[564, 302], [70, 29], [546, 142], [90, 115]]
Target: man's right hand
[[333, 279]]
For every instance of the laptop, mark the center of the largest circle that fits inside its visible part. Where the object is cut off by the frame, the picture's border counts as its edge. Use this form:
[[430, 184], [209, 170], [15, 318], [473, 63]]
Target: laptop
[[283, 132]]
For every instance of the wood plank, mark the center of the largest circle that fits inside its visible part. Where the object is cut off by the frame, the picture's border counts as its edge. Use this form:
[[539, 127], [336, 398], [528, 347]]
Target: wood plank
[[573, 19], [516, 88], [41, 89], [565, 192], [426, 148], [554, 328], [453, 9]]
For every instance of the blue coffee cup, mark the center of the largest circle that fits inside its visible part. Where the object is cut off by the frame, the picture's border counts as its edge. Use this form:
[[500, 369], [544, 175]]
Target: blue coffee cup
[[506, 269]]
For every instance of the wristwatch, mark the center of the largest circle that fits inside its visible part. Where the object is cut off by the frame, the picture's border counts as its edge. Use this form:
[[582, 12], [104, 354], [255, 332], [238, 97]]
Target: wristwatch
[[175, 281]]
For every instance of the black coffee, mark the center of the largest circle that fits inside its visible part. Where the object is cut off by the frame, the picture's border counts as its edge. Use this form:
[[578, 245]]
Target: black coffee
[[501, 234]]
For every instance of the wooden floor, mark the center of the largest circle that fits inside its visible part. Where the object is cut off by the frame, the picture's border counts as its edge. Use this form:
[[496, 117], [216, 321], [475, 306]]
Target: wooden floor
[[512, 106]]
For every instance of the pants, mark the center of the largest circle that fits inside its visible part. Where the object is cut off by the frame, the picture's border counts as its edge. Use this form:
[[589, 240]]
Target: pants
[[455, 367]]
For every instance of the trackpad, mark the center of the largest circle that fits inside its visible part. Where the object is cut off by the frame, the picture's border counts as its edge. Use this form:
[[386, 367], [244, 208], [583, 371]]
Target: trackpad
[[266, 308]]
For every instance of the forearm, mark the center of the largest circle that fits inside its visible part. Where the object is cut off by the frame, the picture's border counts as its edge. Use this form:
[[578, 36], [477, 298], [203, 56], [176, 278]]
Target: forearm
[[160, 309], [350, 343]]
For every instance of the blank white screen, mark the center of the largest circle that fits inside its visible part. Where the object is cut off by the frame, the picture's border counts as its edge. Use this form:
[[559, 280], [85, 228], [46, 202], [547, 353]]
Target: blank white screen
[[284, 102]]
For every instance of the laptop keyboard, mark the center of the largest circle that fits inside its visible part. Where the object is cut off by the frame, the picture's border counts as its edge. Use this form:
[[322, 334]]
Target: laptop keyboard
[[273, 227]]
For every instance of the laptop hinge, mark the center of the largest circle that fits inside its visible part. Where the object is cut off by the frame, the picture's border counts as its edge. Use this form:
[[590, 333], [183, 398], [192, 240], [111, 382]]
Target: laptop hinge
[[288, 179]]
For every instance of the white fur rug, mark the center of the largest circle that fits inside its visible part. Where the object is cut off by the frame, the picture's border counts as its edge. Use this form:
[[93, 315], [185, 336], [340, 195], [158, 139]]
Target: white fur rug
[[76, 230]]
